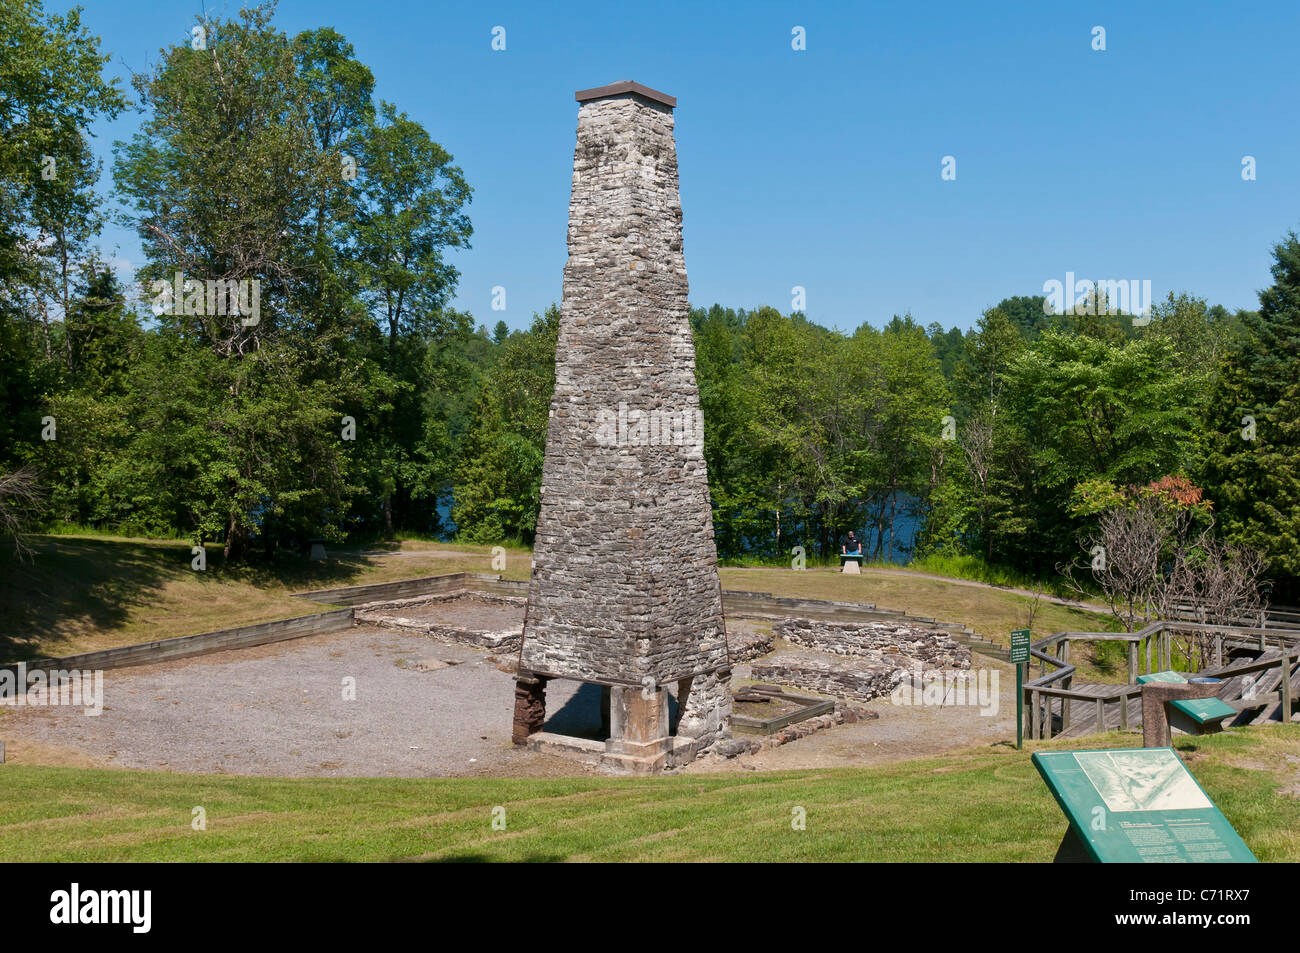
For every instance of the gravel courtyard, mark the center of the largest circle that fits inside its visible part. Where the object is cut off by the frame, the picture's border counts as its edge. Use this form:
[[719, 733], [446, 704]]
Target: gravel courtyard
[[279, 710], [422, 708]]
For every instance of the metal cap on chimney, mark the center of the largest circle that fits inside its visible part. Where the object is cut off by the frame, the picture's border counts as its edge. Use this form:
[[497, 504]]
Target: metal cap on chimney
[[626, 86]]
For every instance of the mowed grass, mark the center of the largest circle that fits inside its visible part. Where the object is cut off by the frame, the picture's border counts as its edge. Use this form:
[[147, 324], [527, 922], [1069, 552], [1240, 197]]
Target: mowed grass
[[991, 612], [981, 805], [82, 593]]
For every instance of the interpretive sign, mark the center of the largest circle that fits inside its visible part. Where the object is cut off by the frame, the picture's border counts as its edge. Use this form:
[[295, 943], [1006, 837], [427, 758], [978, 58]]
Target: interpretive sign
[[1160, 677], [1139, 805], [1020, 658]]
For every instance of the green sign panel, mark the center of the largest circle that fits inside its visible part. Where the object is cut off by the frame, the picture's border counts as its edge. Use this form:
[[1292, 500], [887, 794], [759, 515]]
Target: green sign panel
[[1202, 710], [1019, 646], [1139, 805], [1161, 677]]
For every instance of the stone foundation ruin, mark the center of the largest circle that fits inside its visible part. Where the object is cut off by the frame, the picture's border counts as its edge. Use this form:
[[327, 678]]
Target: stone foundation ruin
[[871, 657], [624, 590], [486, 621]]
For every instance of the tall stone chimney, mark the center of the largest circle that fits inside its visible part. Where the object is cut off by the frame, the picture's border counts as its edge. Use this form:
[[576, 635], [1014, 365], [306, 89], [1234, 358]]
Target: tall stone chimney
[[625, 589]]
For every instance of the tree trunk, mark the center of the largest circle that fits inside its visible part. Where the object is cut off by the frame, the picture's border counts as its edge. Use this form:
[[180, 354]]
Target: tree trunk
[[893, 516], [778, 533], [231, 548]]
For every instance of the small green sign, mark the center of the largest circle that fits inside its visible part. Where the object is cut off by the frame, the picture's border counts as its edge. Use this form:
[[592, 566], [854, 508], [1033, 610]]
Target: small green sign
[[1019, 658], [1161, 677], [1139, 805], [1202, 710]]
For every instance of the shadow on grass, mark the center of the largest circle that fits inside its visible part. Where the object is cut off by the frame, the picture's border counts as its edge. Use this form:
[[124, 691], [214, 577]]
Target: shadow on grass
[[484, 859], [71, 585]]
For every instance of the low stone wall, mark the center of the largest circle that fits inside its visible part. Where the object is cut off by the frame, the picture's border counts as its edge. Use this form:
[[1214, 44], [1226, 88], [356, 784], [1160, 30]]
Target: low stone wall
[[892, 644], [852, 678], [845, 713], [747, 644], [388, 613]]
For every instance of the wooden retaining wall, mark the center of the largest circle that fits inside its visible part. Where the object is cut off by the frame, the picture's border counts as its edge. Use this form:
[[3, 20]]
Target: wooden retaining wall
[[187, 646], [411, 588]]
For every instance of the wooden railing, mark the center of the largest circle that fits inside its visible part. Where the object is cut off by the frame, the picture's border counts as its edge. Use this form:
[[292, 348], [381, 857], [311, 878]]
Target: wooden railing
[[1055, 687]]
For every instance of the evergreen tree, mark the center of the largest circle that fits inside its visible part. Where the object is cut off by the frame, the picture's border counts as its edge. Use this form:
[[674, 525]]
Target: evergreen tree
[[1252, 470]]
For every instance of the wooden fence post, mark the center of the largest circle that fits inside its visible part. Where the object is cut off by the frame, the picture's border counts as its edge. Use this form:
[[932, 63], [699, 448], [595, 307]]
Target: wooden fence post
[[1286, 687]]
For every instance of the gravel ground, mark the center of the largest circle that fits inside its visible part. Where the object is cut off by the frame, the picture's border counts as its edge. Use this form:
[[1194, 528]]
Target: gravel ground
[[279, 710], [901, 732]]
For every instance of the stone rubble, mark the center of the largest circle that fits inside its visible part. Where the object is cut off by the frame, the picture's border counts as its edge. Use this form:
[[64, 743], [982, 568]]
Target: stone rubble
[[846, 713]]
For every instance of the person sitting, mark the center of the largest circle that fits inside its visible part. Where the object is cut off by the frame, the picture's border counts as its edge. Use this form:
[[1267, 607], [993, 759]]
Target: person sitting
[[852, 546]]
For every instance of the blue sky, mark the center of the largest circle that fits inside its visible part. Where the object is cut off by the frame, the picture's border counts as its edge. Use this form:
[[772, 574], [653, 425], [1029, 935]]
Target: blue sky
[[821, 168]]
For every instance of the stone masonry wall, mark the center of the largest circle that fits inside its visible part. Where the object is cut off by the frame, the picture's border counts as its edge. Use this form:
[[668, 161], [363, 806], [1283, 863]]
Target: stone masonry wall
[[913, 646], [852, 678], [873, 656], [624, 584]]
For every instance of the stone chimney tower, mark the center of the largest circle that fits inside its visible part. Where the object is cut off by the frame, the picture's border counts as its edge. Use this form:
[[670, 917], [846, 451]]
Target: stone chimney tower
[[625, 589]]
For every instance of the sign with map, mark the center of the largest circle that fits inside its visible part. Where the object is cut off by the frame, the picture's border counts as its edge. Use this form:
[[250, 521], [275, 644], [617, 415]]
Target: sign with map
[[1139, 805]]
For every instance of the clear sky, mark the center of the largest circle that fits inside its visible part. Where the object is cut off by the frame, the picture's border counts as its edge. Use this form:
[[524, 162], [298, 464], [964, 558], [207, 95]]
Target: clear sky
[[821, 168]]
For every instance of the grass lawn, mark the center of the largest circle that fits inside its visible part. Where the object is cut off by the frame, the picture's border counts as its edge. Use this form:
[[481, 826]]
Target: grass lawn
[[82, 593], [990, 612], [948, 809]]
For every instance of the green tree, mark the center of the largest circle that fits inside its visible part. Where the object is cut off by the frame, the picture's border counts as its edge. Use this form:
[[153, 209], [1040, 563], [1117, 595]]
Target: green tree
[[411, 203], [1091, 409], [227, 178], [51, 91], [499, 476], [1252, 468]]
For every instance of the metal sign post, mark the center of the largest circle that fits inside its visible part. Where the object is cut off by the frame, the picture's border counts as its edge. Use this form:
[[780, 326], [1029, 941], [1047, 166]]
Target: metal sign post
[[1020, 658]]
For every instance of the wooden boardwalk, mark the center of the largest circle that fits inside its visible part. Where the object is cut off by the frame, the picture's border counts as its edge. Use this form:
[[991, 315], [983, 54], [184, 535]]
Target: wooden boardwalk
[[1057, 706]]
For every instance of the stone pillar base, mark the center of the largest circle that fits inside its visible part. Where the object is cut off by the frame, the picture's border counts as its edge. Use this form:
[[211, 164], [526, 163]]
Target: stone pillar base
[[530, 707], [704, 705], [640, 740], [1156, 697]]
